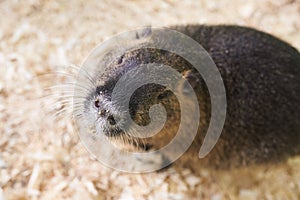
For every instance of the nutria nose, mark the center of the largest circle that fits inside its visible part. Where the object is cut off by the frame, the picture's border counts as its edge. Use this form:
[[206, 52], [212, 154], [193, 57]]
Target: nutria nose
[[111, 120]]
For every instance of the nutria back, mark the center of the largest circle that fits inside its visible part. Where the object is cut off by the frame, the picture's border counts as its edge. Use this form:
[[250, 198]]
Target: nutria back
[[261, 75]]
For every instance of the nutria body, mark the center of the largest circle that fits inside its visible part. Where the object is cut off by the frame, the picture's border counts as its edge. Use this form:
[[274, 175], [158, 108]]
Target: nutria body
[[261, 75]]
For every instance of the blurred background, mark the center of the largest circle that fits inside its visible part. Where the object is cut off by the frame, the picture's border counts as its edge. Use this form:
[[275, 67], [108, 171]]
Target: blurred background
[[41, 156]]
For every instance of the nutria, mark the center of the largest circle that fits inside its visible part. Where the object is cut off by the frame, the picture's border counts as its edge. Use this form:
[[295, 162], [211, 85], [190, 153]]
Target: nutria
[[261, 75]]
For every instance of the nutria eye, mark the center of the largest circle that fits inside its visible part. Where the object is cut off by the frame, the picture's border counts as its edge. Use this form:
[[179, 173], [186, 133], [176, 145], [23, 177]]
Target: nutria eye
[[97, 103]]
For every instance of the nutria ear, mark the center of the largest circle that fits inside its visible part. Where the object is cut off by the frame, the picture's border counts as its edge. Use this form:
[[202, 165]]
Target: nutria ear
[[144, 32]]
